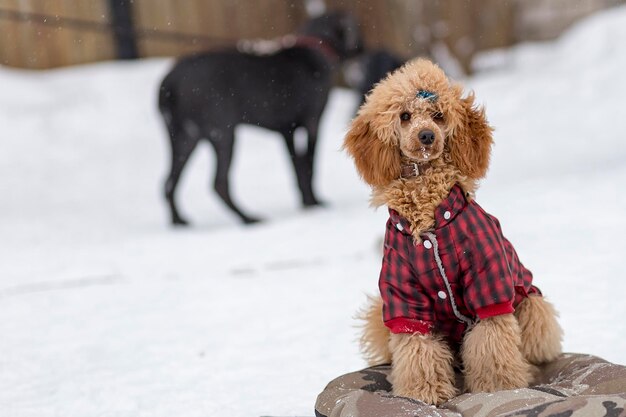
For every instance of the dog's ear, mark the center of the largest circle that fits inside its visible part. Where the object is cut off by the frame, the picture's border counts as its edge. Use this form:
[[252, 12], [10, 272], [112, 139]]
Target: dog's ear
[[470, 147], [377, 159]]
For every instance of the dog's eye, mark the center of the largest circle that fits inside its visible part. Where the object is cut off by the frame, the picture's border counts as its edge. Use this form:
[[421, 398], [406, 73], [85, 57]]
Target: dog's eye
[[405, 117], [438, 116]]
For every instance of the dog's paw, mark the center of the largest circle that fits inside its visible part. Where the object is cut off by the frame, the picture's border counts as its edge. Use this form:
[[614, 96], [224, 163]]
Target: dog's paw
[[314, 203], [251, 220], [435, 392], [179, 222], [515, 377]]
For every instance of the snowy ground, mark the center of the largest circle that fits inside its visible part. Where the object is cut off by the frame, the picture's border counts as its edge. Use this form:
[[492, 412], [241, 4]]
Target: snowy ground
[[107, 311]]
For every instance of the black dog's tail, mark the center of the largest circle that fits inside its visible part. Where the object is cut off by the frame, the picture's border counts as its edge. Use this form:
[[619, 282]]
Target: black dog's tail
[[167, 102], [166, 98]]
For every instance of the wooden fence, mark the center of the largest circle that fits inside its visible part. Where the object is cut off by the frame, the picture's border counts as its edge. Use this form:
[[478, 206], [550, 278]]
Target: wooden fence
[[52, 33], [218, 22], [46, 42]]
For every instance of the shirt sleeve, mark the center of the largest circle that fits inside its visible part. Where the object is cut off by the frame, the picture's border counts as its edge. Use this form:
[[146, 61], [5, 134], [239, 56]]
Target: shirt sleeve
[[489, 284], [406, 308], [522, 277]]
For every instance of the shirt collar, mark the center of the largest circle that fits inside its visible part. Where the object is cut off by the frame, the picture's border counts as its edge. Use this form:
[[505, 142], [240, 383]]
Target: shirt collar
[[445, 212], [399, 222], [449, 208]]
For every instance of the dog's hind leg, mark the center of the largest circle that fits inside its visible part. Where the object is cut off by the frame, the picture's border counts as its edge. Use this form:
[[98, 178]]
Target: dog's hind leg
[[541, 333], [309, 164], [301, 168], [374, 341], [223, 142], [182, 146]]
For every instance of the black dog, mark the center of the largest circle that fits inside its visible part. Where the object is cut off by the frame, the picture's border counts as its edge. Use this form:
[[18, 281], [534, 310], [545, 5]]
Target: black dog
[[207, 95]]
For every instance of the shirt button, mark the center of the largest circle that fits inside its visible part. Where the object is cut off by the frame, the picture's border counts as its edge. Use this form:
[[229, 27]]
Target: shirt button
[[447, 215], [442, 295], [427, 244], [399, 227]]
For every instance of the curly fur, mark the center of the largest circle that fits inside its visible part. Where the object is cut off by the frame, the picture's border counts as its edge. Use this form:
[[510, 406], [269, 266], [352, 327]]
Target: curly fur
[[540, 332], [376, 137], [422, 368], [499, 352], [492, 358], [374, 341]]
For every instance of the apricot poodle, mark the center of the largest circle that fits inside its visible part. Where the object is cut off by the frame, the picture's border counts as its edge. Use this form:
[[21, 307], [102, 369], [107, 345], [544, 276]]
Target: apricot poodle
[[453, 290]]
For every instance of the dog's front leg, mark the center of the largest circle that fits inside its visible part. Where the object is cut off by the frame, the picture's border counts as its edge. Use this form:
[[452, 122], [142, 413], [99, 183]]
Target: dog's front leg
[[421, 368], [492, 358], [540, 331]]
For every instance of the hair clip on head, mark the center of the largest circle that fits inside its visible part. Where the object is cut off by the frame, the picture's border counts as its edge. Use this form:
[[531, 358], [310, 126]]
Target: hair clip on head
[[427, 95]]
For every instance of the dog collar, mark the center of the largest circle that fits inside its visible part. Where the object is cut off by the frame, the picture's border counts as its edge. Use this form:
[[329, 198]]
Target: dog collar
[[413, 169], [312, 42]]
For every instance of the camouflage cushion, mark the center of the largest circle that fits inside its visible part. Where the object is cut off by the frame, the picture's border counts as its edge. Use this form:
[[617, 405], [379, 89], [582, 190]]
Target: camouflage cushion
[[573, 385]]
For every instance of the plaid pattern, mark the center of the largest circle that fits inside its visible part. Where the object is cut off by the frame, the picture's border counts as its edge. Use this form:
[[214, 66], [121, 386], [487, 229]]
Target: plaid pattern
[[485, 276]]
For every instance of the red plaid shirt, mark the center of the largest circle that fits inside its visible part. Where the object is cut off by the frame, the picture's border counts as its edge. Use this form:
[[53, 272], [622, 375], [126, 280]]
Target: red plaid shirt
[[462, 271]]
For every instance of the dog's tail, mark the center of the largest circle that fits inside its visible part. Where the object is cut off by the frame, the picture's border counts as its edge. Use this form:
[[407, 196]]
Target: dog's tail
[[166, 97], [374, 341], [167, 104]]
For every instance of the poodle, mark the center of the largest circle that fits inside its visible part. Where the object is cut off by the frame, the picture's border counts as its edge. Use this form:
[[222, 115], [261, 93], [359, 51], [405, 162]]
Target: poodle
[[453, 292]]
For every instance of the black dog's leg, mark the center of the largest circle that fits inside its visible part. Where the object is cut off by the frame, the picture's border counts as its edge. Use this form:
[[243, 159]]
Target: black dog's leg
[[309, 164], [223, 144], [301, 168], [182, 147]]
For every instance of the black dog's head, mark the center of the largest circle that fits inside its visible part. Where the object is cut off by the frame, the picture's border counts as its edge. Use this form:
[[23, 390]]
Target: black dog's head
[[340, 30]]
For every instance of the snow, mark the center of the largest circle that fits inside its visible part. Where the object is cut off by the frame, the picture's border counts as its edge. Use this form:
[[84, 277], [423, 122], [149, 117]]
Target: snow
[[105, 310]]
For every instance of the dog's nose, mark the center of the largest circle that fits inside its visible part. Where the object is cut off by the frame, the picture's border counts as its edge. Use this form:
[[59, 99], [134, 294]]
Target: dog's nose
[[426, 136]]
